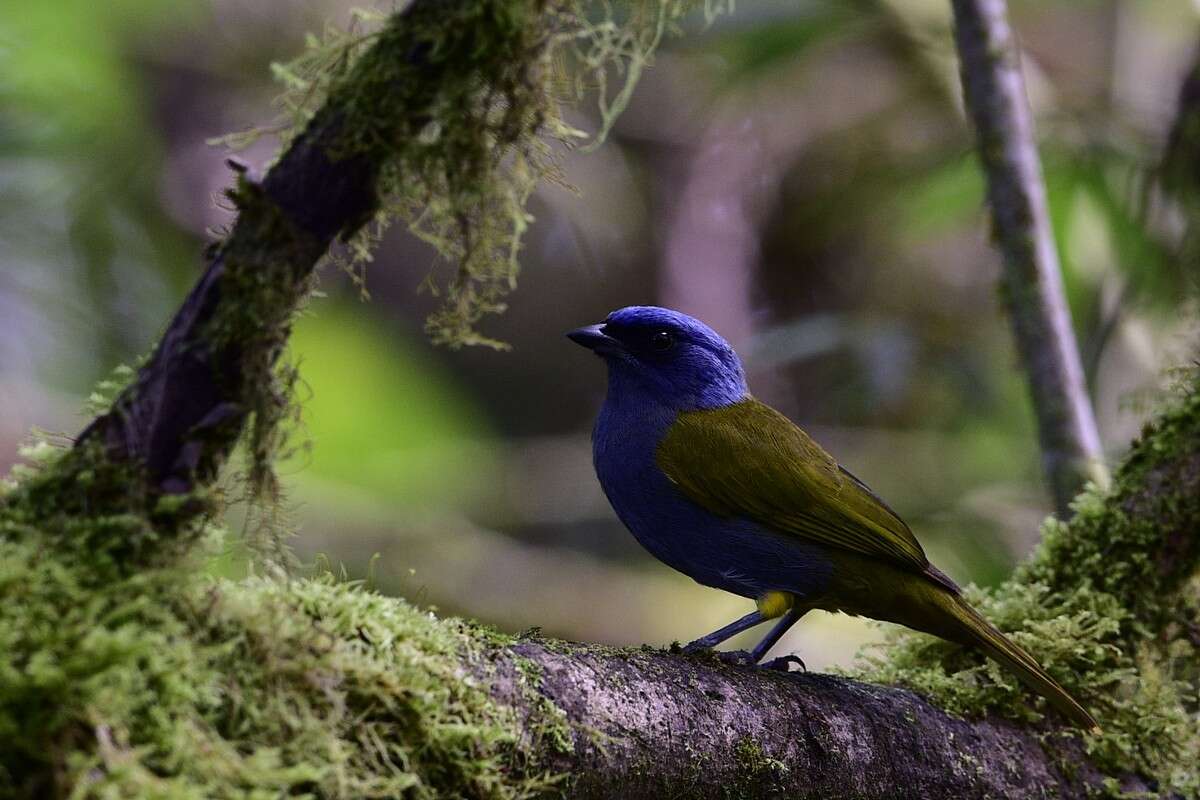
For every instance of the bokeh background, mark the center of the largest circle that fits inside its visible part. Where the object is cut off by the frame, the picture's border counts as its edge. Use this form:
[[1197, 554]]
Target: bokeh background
[[799, 175]]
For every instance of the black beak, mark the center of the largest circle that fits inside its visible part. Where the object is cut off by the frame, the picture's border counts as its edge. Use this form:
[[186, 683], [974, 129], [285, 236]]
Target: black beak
[[593, 338]]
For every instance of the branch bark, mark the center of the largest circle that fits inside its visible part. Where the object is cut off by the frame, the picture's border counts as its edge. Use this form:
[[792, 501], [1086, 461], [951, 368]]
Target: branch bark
[[652, 725], [994, 91], [186, 408], [214, 365]]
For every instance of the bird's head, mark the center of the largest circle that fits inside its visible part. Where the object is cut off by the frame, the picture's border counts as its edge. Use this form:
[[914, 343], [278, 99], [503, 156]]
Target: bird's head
[[676, 359]]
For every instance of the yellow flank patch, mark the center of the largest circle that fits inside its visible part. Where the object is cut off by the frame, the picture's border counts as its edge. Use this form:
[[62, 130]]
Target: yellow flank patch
[[775, 604]]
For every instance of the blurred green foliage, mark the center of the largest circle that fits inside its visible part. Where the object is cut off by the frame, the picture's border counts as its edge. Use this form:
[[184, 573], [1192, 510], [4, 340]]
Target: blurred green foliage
[[67, 76], [383, 419], [84, 223], [752, 51]]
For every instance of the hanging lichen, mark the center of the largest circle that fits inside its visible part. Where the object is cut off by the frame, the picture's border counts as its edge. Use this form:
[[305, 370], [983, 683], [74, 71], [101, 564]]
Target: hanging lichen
[[466, 159]]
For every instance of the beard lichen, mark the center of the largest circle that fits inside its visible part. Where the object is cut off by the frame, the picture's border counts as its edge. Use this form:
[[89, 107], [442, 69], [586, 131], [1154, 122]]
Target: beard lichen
[[463, 107], [1107, 603]]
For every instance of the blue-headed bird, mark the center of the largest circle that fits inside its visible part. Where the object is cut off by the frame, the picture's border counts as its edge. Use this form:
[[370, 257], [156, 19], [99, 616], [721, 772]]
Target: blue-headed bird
[[730, 492]]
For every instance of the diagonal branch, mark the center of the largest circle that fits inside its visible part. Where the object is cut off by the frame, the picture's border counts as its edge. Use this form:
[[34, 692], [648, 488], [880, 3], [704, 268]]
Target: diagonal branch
[[214, 371], [1033, 291], [187, 407]]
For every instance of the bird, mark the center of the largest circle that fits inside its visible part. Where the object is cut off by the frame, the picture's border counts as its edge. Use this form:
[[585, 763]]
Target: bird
[[733, 494]]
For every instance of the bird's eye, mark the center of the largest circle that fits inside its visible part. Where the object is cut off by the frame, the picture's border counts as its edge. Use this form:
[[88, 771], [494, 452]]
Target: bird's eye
[[662, 341]]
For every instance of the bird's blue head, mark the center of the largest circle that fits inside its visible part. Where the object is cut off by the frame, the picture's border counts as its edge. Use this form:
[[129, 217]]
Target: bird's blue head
[[675, 360]]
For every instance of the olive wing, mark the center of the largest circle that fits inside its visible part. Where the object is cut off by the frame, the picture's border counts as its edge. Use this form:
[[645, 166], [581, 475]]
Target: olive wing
[[749, 460]]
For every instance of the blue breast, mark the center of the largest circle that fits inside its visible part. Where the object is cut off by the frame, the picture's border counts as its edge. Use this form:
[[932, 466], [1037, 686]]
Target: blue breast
[[731, 553]]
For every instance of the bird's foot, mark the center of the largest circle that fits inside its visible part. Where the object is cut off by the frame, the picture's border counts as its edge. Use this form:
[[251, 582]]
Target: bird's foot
[[736, 658], [701, 645], [784, 664]]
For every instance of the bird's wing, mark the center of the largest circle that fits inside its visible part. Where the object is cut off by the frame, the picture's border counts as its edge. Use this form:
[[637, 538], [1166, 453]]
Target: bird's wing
[[749, 460]]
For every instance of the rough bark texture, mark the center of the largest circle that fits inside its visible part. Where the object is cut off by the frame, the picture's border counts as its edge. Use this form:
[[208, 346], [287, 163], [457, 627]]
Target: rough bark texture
[[655, 725], [995, 97]]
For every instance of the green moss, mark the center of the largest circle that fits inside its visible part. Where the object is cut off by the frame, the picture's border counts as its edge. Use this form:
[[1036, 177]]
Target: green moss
[[754, 763], [82, 503], [1102, 604], [261, 291], [127, 675], [165, 684], [1115, 541]]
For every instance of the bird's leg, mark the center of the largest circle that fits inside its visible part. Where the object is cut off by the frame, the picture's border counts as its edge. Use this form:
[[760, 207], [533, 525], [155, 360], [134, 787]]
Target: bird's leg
[[790, 618], [721, 634]]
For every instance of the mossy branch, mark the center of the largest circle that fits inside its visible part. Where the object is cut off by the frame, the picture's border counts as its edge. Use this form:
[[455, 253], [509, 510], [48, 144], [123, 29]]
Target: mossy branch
[[994, 90], [169, 432]]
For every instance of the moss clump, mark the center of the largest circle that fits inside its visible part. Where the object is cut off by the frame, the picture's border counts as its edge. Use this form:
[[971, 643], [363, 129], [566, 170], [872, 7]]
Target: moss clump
[[164, 684], [754, 763], [132, 676], [1103, 604], [1135, 541], [86, 506]]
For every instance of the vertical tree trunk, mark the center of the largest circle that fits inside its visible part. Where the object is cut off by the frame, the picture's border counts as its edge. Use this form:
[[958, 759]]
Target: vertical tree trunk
[[995, 97]]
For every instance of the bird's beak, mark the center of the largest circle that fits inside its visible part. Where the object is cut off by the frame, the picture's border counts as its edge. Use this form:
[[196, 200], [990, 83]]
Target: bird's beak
[[594, 338]]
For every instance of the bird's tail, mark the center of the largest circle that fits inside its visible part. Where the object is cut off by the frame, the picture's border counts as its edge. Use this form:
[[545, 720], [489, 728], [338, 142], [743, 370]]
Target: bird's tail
[[975, 630]]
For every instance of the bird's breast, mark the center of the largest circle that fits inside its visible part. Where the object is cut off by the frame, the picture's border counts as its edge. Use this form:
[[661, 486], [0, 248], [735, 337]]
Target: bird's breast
[[730, 553]]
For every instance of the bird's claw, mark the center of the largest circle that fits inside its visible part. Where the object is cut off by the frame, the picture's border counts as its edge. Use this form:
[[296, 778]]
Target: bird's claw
[[784, 663]]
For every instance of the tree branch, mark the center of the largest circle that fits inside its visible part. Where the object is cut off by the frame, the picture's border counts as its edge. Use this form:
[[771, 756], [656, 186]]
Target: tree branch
[[188, 404], [648, 724], [169, 432], [995, 97]]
